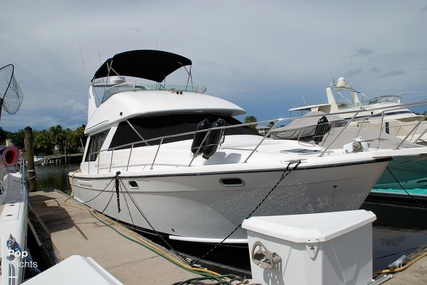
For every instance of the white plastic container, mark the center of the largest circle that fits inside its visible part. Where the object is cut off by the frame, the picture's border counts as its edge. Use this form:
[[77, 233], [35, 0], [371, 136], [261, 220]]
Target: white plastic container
[[310, 249]]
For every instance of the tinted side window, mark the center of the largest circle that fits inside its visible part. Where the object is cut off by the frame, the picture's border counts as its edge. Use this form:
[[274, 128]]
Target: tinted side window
[[149, 130], [95, 143]]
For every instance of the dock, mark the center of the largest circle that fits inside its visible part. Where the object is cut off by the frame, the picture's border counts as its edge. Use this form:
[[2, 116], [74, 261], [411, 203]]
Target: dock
[[62, 159], [413, 272], [73, 230]]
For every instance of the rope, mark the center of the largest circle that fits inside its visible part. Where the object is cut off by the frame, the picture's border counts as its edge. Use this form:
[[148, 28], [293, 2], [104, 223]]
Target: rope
[[141, 241], [422, 253], [226, 279], [284, 174], [14, 245], [188, 265], [403, 188], [105, 188], [117, 190], [33, 173], [45, 236], [72, 182], [127, 206], [151, 226]]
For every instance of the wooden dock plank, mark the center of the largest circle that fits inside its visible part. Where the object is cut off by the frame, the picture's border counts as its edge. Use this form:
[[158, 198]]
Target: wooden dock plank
[[75, 231]]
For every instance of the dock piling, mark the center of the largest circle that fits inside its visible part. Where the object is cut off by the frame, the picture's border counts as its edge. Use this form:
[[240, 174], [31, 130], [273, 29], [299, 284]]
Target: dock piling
[[28, 142]]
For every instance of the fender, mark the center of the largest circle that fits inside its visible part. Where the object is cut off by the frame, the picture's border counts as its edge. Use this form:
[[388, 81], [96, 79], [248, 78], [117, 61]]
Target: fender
[[214, 139], [9, 155], [200, 139]]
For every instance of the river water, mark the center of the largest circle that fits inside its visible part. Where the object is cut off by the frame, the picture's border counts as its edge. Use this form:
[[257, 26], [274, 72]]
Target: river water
[[398, 230]]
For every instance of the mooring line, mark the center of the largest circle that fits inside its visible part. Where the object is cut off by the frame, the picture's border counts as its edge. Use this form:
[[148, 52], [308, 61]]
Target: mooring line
[[284, 174], [151, 226], [403, 188]]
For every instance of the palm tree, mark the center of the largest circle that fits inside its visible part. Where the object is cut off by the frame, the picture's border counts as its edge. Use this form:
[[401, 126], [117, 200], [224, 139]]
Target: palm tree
[[56, 137], [251, 119]]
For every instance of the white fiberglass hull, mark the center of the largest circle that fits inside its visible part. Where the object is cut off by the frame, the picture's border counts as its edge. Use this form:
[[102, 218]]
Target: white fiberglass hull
[[13, 228], [210, 205]]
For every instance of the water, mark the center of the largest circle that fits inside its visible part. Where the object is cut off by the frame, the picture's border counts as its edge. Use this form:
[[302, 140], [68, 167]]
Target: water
[[51, 177], [398, 230]]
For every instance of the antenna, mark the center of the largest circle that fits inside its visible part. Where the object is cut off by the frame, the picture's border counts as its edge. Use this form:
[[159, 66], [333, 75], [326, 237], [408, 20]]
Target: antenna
[[12, 95], [302, 95], [83, 61]]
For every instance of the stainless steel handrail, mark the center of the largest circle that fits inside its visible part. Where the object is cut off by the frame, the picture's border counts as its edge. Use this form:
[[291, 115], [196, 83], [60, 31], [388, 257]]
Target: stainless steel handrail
[[262, 140]]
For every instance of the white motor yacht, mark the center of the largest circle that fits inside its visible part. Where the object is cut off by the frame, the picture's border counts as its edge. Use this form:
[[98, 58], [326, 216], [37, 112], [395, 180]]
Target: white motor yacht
[[386, 113], [173, 160], [331, 131]]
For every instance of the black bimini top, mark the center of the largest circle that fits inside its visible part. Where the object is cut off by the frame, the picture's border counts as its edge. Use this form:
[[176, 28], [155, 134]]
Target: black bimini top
[[148, 64]]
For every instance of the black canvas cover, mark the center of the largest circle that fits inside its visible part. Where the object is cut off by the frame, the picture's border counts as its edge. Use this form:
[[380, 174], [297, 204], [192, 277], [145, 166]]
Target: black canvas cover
[[148, 64]]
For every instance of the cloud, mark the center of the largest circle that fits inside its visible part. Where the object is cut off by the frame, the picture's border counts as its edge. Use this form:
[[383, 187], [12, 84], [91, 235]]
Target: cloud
[[375, 70], [392, 73], [353, 72], [362, 52], [242, 50]]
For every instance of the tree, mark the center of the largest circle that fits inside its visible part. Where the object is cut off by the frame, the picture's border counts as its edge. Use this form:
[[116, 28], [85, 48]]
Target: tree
[[41, 143], [251, 119], [80, 138], [3, 136], [56, 138], [18, 139]]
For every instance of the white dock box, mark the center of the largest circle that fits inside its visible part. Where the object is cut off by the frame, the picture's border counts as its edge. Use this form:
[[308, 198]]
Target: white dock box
[[311, 249]]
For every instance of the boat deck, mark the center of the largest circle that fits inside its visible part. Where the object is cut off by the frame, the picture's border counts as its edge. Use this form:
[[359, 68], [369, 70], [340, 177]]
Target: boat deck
[[73, 230]]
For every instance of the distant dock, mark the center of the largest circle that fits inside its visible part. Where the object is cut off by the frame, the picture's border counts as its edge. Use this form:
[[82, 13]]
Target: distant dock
[[63, 159]]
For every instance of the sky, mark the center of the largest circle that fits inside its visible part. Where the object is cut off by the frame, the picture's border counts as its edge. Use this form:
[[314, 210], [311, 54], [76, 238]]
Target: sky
[[265, 56]]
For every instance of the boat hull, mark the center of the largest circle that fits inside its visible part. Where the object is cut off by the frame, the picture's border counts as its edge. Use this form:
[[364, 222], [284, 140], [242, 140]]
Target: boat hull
[[208, 207], [13, 227]]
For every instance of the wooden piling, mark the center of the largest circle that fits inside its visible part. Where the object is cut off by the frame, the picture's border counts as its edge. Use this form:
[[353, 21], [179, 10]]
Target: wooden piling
[[28, 141]]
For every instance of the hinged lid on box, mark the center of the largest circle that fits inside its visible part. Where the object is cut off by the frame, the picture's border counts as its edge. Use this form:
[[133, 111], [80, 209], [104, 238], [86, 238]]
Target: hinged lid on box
[[309, 228]]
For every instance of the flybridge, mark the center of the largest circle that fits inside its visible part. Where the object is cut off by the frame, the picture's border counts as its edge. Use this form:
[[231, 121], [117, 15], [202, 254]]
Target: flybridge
[[152, 65]]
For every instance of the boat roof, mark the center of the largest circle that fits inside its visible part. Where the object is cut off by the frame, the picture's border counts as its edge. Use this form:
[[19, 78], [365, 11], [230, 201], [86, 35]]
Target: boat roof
[[153, 65], [308, 107]]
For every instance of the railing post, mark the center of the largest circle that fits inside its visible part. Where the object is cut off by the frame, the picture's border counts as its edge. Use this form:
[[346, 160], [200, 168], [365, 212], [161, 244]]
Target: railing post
[[155, 156], [28, 133]]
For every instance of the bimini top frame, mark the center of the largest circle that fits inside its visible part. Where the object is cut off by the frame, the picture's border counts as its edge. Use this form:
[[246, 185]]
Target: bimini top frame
[[153, 65]]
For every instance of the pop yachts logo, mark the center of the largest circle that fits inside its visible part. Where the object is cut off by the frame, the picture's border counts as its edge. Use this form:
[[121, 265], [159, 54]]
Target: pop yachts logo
[[23, 255]]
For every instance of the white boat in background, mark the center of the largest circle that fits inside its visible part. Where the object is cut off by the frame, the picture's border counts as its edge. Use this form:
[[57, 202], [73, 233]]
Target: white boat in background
[[39, 160], [172, 160], [331, 131], [13, 218], [386, 113]]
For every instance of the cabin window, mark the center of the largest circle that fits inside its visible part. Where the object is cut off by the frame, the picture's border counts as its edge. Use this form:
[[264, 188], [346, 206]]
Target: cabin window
[[95, 144], [150, 130]]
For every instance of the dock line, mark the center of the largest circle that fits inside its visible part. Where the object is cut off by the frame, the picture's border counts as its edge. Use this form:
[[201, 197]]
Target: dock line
[[401, 268], [138, 240], [403, 188], [285, 173]]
